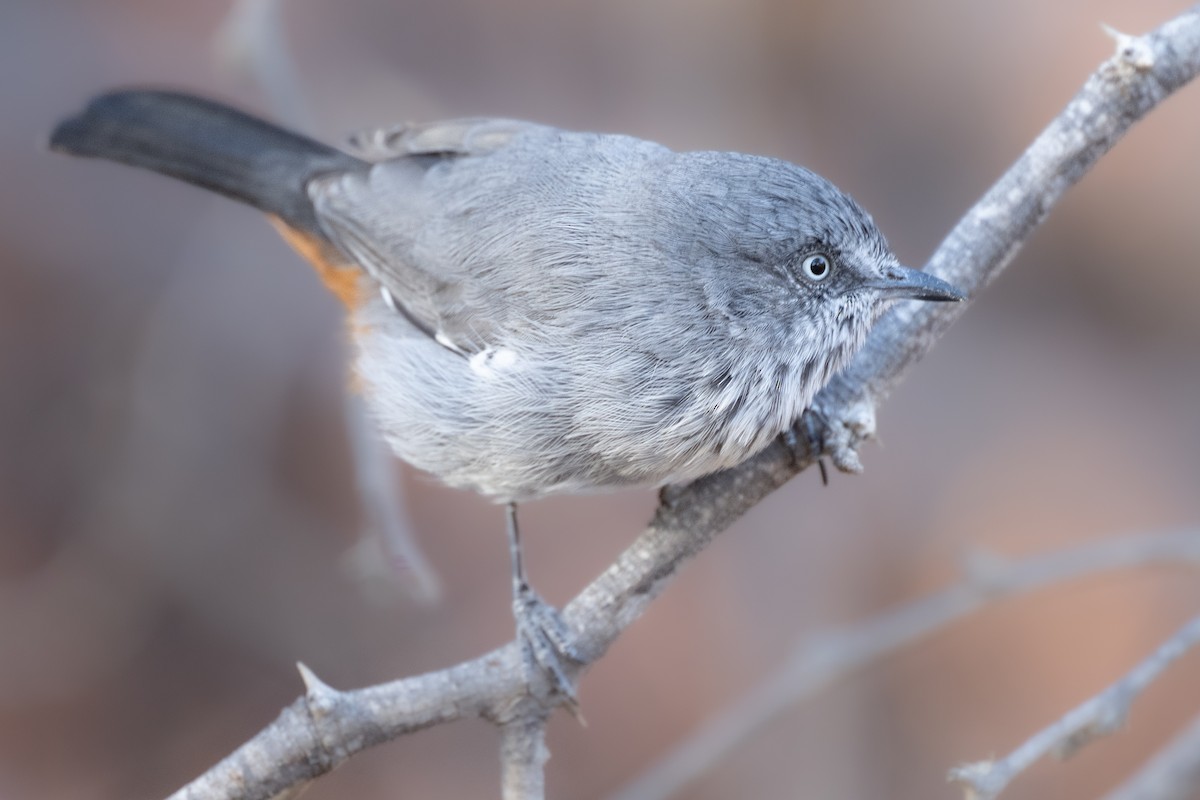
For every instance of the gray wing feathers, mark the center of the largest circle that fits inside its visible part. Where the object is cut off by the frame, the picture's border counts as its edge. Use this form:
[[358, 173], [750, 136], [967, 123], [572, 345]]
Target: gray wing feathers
[[482, 229], [389, 221], [473, 136]]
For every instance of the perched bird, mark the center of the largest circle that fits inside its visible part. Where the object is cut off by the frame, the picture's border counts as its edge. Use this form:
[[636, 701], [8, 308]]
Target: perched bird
[[537, 311]]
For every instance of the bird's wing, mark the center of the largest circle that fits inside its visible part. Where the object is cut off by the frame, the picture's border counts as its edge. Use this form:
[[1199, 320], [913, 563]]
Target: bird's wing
[[455, 137], [436, 220]]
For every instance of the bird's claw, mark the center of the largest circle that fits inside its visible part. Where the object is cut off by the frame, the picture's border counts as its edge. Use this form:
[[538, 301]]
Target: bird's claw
[[805, 440], [547, 644]]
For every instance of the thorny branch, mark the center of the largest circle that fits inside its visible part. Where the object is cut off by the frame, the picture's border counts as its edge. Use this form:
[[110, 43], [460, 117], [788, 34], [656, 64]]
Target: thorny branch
[[1099, 716], [822, 659], [325, 727]]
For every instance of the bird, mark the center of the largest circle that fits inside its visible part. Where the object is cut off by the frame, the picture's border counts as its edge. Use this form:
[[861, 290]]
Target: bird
[[538, 311]]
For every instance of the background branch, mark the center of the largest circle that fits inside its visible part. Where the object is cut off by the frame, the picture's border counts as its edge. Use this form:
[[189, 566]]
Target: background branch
[[252, 43], [1172, 774], [1142, 73], [819, 661], [1099, 716]]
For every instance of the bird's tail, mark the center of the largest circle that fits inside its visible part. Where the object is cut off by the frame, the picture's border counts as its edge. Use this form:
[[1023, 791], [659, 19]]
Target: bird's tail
[[207, 144]]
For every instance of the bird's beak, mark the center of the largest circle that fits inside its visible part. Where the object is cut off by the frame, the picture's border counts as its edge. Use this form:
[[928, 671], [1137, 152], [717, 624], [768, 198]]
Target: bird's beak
[[900, 283]]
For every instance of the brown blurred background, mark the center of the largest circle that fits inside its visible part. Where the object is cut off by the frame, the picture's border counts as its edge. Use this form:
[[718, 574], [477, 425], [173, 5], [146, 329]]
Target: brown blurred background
[[175, 489]]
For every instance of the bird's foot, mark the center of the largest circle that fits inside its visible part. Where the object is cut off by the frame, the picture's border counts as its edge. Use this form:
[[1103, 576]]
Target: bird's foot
[[806, 440], [547, 644]]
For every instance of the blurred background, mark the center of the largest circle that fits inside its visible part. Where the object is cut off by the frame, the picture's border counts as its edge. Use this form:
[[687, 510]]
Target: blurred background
[[176, 490]]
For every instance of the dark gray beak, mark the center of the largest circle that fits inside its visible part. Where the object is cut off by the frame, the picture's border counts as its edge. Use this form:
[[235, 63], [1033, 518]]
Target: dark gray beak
[[903, 283]]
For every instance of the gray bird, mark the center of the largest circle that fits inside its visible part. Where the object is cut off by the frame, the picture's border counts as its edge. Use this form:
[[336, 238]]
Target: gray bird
[[538, 311]]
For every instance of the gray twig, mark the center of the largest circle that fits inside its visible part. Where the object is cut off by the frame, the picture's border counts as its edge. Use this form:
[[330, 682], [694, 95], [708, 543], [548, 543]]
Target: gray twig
[[1099, 716], [523, 756], [298, 747], [387, 552], [821, 660], [1172, 774], [252, 41]]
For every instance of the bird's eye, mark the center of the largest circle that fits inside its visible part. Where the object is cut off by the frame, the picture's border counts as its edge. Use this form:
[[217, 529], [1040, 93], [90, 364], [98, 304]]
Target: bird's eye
[[816, 267]]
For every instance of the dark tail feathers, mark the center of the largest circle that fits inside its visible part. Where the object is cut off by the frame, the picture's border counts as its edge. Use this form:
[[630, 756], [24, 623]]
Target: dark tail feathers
[[208, 144]]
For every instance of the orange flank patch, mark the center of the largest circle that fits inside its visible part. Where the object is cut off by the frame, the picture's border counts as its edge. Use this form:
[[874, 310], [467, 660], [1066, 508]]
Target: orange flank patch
[[339, 275]]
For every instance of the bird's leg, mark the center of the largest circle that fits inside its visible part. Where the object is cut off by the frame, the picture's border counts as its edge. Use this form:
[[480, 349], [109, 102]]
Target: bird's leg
[[546, 640], [811, 426]]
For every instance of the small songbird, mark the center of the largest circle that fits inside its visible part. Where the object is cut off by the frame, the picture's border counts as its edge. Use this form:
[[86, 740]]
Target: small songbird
[[537, 311]]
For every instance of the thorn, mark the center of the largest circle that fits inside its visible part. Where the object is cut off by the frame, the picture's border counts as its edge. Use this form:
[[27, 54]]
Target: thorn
[[319, 694], [312, 684], [1132, 50], [1114, 34]]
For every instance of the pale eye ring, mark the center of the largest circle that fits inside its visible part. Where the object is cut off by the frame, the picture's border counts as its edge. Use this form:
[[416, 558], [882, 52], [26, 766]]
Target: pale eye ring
[[817, 267]]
